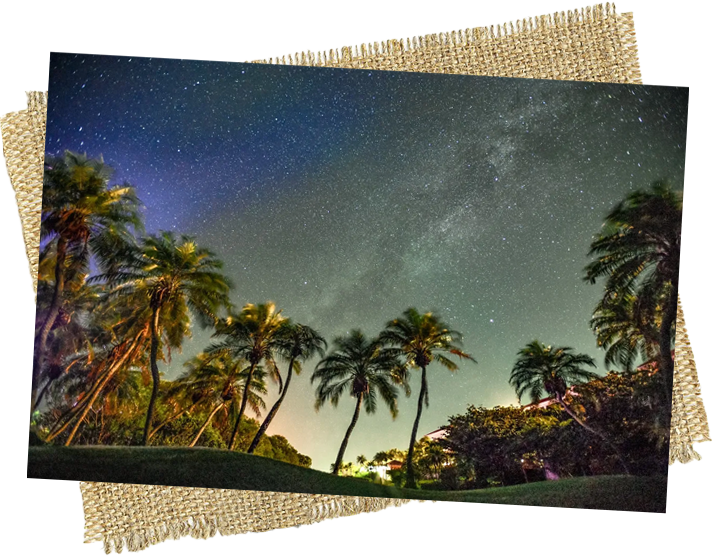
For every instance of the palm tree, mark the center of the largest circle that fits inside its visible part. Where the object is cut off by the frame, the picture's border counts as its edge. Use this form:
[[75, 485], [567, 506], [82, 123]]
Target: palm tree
[[361, 460], [434, 457], [251, 335], [363, 368], [543, 369], [82, 216], [626, 327], [223, 380], [381, 458], [638, 252], [296, 343], [175, 278], [422, 338]]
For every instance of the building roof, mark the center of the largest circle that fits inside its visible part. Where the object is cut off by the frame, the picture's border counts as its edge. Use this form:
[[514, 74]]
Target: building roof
[[436, 434]]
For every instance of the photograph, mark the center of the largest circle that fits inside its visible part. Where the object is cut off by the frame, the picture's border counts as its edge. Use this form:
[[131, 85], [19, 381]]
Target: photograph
[[357, 282]]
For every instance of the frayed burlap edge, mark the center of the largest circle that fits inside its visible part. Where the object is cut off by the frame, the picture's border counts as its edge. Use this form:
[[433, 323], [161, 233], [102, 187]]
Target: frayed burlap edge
[[158, 513], [689, 423], [589, 44], [23, 145]]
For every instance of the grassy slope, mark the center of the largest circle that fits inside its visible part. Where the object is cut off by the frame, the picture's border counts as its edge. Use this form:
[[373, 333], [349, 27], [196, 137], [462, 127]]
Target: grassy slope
[[223, 469]]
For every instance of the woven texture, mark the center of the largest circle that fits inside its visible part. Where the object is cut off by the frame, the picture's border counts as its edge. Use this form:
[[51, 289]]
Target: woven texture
[[138, 516], [593, 44], [689, 424], [23, 143]]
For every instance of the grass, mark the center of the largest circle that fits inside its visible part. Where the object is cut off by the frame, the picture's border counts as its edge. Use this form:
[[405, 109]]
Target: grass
[[199, 467]]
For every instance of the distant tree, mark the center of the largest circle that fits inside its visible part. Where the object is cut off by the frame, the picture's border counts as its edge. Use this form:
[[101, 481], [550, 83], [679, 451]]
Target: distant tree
[[381, 458]]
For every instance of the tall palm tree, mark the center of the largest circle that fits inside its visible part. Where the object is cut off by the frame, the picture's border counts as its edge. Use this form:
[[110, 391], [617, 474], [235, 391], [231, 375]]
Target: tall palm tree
[[175, 278], [638, 252], [296, 343], [366, 370], [251, 335], [543, 369], [627, 328], [82, 217], [224, 380], [422, 338]]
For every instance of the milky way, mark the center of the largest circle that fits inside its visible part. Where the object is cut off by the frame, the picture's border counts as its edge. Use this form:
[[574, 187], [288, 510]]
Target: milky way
[[347, 196]]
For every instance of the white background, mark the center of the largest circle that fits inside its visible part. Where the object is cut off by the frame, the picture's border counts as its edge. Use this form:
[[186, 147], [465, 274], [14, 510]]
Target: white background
[[321, 24]]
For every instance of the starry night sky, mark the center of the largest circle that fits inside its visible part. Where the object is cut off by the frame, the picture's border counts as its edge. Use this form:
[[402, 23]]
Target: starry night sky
[[347, 196]]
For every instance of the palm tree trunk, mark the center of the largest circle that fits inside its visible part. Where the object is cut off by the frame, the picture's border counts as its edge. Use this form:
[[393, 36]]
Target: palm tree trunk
[[50, 319], [243, 404], [343, 447], [65, 419], [95, 391], [410, 474], [666, 362], [206, 424], [599, 434], [155, 377], [271, 414]]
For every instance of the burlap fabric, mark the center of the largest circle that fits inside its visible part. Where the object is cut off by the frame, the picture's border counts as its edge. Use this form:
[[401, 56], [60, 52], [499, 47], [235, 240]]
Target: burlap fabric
[[141, 515], [593, 44], [689, 423], [23, 144]]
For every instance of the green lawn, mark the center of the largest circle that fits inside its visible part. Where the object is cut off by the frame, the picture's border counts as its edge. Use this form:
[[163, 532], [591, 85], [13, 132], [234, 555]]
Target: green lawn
[[224, 469]]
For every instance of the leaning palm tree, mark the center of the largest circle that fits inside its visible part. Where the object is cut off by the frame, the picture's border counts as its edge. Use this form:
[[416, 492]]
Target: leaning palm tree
[[175, 278], [363, 368], [223, 381], [422, 338], [251, 335], [82, 217], [541, 369], [296, 343], [115, 336], [638, 252]]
